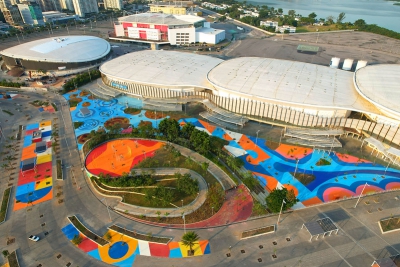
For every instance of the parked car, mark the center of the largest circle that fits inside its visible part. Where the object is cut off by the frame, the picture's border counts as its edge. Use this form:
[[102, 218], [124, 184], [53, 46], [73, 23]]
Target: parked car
[[34, 238]]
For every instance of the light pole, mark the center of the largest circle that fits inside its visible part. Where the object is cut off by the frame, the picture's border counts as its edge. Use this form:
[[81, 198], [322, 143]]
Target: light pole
[[212, 213], [184, 223], [256, 139], [295, 170], [280, 138], [283, 202], [387, 167], [362, 191], [182, 202], [105, 201]]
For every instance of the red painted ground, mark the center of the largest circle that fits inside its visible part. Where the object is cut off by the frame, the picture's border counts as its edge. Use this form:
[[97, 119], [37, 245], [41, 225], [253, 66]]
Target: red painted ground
[[237, 207], [351, 159]]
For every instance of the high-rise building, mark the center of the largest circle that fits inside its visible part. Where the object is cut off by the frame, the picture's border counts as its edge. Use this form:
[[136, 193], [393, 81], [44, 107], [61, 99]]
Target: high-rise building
[[85, 7], [12, 15], [113, 4], [5, 4], [67, 4], [31, 13], [50, 5]]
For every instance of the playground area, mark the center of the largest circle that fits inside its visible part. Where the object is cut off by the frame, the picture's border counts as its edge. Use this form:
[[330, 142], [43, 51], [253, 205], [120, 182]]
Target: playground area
[[35, 184], [119, 156], [331, 176], [123, 249]]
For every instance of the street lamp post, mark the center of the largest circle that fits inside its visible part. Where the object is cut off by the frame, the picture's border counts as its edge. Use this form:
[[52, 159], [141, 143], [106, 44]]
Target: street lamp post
[[182, 202], [279, 217], [105, 201], [362, 191], [256, 139], [212, 213], [280, 138], [184, 223]]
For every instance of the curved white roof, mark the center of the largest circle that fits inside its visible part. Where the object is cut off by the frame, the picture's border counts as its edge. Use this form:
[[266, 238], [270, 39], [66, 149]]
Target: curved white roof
[[380, 84], [61, 49], [289, 82], [165, 68]]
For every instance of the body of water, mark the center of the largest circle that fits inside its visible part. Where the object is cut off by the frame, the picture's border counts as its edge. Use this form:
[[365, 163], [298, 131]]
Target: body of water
[[380, 12]]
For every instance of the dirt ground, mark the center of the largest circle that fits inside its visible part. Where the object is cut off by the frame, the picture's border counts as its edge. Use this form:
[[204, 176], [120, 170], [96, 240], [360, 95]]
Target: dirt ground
[[355, 45]]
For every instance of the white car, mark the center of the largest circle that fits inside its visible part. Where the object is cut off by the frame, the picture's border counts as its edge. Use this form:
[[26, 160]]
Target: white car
[[34, 238]]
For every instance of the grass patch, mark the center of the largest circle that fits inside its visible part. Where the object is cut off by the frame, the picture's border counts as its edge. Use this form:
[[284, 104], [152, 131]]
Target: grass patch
[[12, 259], [4, 204], [59, 170], [73, 101], [145, 237], [86, 232], [132, 111], [39, 103], [8, 112], [54, 106], [323, 162], [303, 178], [78, 124], [390, 224], [258, 231]]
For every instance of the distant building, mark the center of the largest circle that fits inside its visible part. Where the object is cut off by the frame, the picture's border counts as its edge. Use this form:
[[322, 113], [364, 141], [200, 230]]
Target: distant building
[[58, 17], [269, 23], [12, 15], [49, 5], [161, 28], [67, 4], [284, 28], [173, 8], [85, 7], [113, 4], [31, 13]]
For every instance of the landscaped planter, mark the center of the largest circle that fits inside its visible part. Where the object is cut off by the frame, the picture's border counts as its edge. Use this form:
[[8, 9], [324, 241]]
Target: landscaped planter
[[13, 260], [258, 231], [4, 204], [150, 238], [89, 234], [390, 225], [59, 170]]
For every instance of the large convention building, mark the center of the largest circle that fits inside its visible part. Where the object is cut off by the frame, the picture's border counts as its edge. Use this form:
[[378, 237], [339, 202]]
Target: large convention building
[[292, 92], [162, 28], [58, 55]]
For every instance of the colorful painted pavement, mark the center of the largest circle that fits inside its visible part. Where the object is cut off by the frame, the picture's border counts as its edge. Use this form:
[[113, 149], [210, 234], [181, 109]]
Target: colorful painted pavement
[[35, 184], [8, 96], [119, 156], [123, 249], [100, 111], [344, 177]]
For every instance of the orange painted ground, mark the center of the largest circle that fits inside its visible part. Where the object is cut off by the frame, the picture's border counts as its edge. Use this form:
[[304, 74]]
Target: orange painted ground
[[119, 156], [271, 182], [293, 152], [312, 201], [28, 152], [210, 128], [351, 159], [291, 187], [247, 144]]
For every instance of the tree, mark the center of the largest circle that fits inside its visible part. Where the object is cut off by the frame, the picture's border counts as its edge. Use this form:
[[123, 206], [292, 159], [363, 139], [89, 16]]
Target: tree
[[275, 199], [187, 185], [77, 239], [341, 17], [330, 19], [189, 239], [249, 180], [360, 23], [187, 130], [292, 13], [312, 15], [170, 129], [280, 10]]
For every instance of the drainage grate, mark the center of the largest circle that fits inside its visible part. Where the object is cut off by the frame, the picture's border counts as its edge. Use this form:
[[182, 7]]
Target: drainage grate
[[259, 260], [58, 256], [274, 256], [228, 255], [288, 239], [260, 246], [274, 243], [243, 251]]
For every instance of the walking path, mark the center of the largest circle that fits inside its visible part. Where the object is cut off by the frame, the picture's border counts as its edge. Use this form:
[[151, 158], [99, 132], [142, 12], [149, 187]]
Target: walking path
[[173, 212]]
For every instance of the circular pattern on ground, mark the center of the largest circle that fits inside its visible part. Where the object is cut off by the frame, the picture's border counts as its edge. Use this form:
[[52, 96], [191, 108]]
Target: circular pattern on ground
[[89, 124], [118, 250], [103, 103], [123, 122], [106, 113]]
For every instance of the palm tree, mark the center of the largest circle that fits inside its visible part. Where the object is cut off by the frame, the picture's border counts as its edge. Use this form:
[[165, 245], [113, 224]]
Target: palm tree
[[189, 239]]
